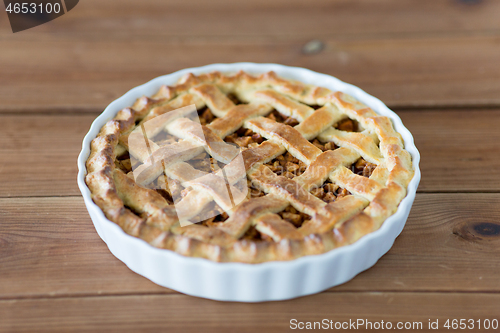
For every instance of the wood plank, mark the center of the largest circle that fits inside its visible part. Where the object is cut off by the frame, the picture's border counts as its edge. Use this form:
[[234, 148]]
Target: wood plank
[[59, 276], [178, 313], [450, 243], [458, 149], [67, 74], [39, 152], [344, 18], [50, 249]]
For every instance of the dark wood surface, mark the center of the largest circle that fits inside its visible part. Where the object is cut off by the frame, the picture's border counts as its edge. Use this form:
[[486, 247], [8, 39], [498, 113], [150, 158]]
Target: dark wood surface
[[434, 62]]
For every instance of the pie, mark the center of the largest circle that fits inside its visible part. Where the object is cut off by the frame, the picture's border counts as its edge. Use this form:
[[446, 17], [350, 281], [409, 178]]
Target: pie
[[319, 169]]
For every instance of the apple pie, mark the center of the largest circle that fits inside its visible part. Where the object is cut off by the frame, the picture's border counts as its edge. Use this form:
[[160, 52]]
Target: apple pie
[[267, 168]]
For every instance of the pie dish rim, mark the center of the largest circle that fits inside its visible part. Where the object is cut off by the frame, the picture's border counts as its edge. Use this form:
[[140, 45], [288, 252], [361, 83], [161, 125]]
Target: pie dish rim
[[113, 235]]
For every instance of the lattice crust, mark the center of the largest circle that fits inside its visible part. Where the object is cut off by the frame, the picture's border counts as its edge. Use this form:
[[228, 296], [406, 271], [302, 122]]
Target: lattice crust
[[149, 215]]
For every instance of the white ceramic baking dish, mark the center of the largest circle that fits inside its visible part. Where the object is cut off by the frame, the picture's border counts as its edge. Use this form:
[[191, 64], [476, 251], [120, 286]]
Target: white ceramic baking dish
[[249, 282]]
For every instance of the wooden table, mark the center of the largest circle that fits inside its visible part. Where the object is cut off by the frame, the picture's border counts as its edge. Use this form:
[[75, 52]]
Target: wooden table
[[436, 63]]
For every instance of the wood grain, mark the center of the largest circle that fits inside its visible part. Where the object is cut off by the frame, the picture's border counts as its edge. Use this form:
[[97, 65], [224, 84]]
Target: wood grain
[[434, 61], [86, 74], [242, 18], [408, 53], [50, 249], [39, 152], [177, 313], [458, 149]]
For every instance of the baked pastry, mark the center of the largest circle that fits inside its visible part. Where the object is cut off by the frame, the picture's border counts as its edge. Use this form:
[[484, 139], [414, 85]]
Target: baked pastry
[[321, 169]]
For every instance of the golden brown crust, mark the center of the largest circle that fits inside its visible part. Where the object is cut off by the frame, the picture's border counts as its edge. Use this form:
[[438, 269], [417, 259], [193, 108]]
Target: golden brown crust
[[144, 213]]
